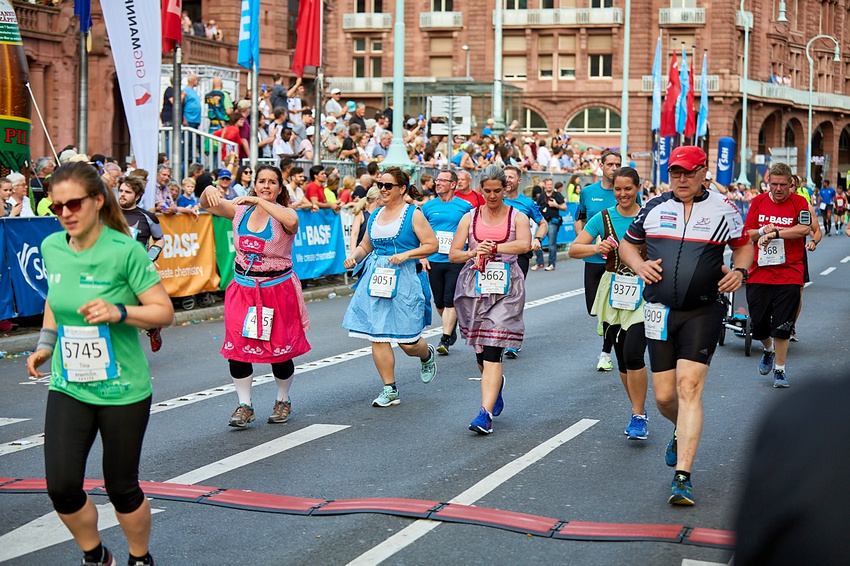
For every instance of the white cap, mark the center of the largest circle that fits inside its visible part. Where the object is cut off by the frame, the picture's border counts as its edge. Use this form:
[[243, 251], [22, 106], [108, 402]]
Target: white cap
[[336, 91], [309, 131]]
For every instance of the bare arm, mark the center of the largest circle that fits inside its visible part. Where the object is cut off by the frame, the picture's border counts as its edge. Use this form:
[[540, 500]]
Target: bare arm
[[584, 246], [427, 240], [212, 202], [287, 217], [648, 270], [359, 253]]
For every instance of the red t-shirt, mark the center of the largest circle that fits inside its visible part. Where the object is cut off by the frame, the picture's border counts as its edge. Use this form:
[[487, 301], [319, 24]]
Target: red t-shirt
[[314, 189], [230, 133], [473, 197], [764, 211]]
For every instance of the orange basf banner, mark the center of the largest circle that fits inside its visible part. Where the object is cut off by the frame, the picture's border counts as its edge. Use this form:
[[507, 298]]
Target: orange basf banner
[[187, 262]]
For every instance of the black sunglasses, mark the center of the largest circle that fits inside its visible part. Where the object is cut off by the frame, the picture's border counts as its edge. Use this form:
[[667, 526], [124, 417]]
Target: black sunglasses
[[387, 186], [73, 205]]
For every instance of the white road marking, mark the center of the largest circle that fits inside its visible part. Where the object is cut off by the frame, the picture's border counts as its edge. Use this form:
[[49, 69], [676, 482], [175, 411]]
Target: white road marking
[[48, 530], [807, 284], [827, 271], [421, 527], [7, 421], [692, 562], [190, 398], [846, 259]]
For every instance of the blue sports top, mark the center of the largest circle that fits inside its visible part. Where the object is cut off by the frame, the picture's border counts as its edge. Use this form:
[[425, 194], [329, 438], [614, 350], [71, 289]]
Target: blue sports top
[[444, 217]]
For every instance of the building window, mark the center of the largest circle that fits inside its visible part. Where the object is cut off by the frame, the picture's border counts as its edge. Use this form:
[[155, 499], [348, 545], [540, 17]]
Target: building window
[[547, 4], [441, 66], [365, 6], [683, 3], [544, 66], [599, 66], [594, 120], [377, 46], [601, 3], [291, 22], [360, 45], [375, 62], [516, 4], [677, 40], [514, 67], [534, 121], [442, 45], [567, 66], [360, 67], [442, 5], [546, 43], [513, 43]]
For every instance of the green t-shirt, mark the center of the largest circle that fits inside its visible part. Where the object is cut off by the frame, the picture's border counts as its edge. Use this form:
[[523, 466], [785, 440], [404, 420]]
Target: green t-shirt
[[117, 270]]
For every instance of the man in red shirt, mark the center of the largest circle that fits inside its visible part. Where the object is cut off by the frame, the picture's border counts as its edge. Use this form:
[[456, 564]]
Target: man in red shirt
[[463, 191], [778, 222], [315, 191]]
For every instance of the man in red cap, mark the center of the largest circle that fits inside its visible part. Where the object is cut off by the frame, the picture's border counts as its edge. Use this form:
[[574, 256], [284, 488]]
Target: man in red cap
[[685, 232]]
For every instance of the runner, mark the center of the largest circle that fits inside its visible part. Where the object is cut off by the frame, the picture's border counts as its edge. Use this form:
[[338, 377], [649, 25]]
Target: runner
[[465, 191], [826, 201], [443, 214], [619, 301], [840, 209], [99, 379], [777, 224], [685, 231], [490, 295], [265, 317], [393, 306], [594, 199]]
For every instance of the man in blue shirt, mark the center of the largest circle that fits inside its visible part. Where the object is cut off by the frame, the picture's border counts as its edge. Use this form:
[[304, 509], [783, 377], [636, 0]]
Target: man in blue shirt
[[192, 112], [594, 199], [826, 200], [443, 214]]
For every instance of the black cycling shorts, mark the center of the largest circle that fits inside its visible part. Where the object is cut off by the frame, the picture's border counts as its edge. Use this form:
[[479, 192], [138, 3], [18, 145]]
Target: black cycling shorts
[[773, 309], [805, 266], [443, 279], [592, 276], [629, 347], [691, 335]]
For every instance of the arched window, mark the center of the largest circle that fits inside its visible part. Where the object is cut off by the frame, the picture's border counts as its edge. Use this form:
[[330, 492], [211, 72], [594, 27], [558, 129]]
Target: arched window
[[533, 120], [594, 120]]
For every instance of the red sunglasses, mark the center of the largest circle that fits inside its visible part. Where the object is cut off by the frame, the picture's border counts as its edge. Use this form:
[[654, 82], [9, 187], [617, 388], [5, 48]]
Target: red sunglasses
[[73, 205]]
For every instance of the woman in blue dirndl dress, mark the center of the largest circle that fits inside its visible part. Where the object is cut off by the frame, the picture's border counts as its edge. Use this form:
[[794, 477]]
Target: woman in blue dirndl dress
[[392, 299]]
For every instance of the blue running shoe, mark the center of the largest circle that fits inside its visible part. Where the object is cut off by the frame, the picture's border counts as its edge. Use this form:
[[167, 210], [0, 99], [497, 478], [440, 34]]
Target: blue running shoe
[[429, 367], [766, 363], [670, 457], [510, 353], [483, 423], [681, 491], [443, 347], [637, 428], [388, 396], [499, 406], [780, 381]]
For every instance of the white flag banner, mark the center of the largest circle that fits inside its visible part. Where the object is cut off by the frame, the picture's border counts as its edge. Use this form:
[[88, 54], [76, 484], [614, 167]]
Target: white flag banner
[[135, 36]]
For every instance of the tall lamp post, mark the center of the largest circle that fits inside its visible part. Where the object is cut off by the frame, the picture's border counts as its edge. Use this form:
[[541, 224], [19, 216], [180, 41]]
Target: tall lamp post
[[811, 83], [742, 176], [397, 153], [466, 49], [624, 101]]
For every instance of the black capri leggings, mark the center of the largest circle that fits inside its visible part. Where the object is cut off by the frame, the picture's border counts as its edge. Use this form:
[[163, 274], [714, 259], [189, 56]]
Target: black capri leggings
[[281, 370], [70, 428], [629, 346], [490, 354], [443, 279]]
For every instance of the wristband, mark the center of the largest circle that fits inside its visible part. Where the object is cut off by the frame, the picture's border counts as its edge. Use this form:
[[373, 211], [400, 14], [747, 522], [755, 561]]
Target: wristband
[[47, 339], [777, 234], [761, 231], [123, 310]]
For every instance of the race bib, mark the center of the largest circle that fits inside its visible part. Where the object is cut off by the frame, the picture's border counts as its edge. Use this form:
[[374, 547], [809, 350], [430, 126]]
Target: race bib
[[384, 282], [773, 254], [823, 206], [444, 240], [251, 329], [86, 353], [655, 321], [625, 292], [496, 279]]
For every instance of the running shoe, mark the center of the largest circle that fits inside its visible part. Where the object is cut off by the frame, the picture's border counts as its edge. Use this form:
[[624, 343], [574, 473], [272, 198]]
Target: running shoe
[[148, 561], [637, 428], [443, 348], [453, 337], [604, 363], [536, 267], [483, 423], [510, 353], [280, 412], [550, 267], [670, 456], [429, 367], [388, 396], [780, 381], [766, 363], [156, 338], [681, 489], [106, 560], [243, 415], [499, 405]]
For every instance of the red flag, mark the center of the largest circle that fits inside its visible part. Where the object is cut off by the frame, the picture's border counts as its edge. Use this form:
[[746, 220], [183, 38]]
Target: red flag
[[691, 123], [171, 30], [668, 111], [308, 45]]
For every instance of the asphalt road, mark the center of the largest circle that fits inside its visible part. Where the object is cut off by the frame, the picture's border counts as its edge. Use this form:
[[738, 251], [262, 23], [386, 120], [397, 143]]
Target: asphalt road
[[422, 449]]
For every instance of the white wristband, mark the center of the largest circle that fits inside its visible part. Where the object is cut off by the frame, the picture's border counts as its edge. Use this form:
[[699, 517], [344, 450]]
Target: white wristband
[[761, 231]]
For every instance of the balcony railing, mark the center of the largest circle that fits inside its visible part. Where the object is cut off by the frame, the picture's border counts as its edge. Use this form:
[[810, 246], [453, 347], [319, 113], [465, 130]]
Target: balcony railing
[[377, 20], [713, 83], [440, 20], [796, 96], [677, 16], [36, 18], [743, 18], [360, 85], [561, 16]]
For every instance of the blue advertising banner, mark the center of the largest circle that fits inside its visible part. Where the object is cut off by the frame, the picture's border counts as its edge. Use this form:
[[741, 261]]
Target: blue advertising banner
[[725, 161], [567, 231], [7, 306], [318, 248], [29, 280]]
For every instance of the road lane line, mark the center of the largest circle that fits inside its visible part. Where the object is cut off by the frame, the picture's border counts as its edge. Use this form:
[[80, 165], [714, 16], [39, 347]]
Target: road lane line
[[827, 271], [846, 259], [807, 284], [225, 389], [48, 530], [7, 421], [421, 527]]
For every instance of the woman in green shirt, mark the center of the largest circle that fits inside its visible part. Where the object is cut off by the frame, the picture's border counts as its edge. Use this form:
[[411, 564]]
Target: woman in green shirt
[[101, 289]]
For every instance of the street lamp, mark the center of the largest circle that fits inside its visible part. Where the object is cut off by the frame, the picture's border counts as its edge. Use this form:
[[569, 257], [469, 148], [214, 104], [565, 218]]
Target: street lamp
[[742, 176], [811, 72], [466, 48], [397, 153], [624, 98]]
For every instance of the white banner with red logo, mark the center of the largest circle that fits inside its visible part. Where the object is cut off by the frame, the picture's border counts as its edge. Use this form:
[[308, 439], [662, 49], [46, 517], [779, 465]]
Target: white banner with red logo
[[135, 36]]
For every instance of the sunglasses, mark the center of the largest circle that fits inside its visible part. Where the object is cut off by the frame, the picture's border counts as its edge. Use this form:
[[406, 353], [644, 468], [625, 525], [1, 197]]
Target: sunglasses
[[73, 205], [387, 186]]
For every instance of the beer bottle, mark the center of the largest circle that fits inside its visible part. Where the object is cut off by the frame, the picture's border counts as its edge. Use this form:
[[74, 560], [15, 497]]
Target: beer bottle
[[15, 108]]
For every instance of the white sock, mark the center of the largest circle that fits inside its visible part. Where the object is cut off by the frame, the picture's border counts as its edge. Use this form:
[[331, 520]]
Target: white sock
[[778, 367], [771, 347], [243, 389], [283, 386]]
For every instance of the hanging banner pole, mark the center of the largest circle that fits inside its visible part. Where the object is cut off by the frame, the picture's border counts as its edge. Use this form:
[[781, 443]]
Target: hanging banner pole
[[43, 126], [176, 115]]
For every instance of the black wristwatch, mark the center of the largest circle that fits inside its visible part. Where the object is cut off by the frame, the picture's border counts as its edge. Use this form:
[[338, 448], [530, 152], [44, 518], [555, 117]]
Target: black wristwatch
[[539, 239], [744, 273], [123, 310]]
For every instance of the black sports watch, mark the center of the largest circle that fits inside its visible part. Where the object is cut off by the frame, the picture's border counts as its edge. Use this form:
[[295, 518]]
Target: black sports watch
[[744, 273], [123, 310], [539, 239]]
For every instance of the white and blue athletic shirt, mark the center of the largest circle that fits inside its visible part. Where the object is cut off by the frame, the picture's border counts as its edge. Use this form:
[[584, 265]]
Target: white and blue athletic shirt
[[526, 206], [444, 217], [691, 251]]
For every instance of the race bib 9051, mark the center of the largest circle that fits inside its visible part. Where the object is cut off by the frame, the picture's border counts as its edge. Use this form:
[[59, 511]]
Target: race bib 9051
[[384, 282]]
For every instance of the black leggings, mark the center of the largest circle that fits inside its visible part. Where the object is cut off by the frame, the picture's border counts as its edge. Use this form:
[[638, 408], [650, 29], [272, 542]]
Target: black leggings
[[490, 354], [70, 427], [592, 276], [629, 346], [281, 370]]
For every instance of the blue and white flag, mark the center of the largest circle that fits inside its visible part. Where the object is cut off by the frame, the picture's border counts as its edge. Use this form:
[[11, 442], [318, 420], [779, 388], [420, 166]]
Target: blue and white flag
[[82, 9], [656, 88], [702, 121], [249, 36], [682, 101]]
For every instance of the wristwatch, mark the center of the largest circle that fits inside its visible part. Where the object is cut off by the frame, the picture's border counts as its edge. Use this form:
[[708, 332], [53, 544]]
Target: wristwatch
[[744, 273], [123, 310], [539, 239]]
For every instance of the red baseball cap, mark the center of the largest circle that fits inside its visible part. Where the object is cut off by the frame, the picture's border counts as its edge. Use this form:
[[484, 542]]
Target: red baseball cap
[[688, 157]]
